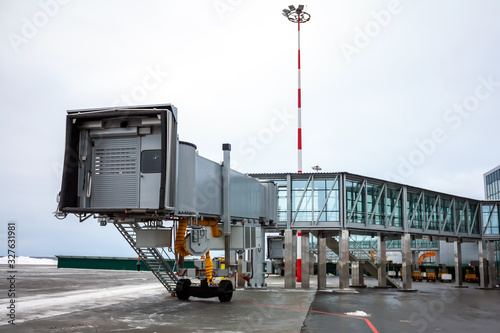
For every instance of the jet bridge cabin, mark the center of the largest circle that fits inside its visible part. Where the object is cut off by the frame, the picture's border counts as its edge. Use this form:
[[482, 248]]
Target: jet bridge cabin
[[120, 160], [127, 167]]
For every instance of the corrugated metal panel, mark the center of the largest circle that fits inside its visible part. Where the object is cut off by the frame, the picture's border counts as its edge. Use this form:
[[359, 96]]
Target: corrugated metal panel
[[244, 193], [208, 187], [115, 173], [186, 190]]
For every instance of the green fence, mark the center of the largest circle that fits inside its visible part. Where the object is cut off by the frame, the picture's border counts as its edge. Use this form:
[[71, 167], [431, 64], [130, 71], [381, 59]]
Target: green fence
[[116, 263]]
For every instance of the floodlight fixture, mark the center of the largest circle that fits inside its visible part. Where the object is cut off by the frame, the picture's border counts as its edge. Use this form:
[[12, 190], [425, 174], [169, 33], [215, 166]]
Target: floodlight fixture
[[296, 15]]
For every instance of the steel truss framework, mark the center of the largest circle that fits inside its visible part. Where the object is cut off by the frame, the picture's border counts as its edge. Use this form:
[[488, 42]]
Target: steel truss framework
[[329, 201]]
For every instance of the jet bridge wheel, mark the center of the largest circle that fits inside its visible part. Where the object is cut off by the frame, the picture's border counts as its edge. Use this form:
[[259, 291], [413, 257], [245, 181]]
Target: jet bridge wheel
[[182, 289], [225, 291]]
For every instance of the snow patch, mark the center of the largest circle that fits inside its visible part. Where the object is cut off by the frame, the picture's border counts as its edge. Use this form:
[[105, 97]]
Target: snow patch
[[50, 305], [358, 314], [29, 261]]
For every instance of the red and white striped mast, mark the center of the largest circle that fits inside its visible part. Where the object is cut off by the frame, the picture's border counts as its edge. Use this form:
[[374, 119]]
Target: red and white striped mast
[[298, 15]]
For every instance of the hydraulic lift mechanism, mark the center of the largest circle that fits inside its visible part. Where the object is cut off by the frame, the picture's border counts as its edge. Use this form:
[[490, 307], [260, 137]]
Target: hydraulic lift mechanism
[[126, 166]]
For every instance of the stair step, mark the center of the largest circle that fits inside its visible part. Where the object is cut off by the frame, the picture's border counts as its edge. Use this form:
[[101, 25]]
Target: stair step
[[153, 258]]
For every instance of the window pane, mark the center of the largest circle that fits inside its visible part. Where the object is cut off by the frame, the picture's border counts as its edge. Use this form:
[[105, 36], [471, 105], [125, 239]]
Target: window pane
[[151, 161], [299, 184]]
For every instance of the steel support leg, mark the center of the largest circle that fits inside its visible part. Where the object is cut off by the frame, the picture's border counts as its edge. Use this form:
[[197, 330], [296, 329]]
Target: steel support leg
[[321, 261], [492, 270], [357, 274], [482, 268], [458, 264], [344, 259], [382, 261], [305, 260], [406, 269], [290, 260], [241, 262], [312, 260], [414, 258]]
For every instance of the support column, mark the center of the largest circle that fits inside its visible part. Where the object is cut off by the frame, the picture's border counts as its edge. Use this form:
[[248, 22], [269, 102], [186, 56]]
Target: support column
[[406, 269], [312, 261], [290, 264], [321, 261], [458, 265], [482, 264], [305, 260], [357, 274], [241, 282], [492, 270], [382, 261], [344, 260], [414, 258], [228, 262], [437, 258], [226, 214]]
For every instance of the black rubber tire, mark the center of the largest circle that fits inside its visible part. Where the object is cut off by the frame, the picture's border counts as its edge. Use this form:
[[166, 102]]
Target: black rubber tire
[[182, 289], [225, 291], [183, 295]]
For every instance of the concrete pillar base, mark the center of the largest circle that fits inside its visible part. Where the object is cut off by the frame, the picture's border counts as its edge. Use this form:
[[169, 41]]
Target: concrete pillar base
[[357, 278], [321, 261], [304, 248], [406, 262], [290, 259], [382, 261], [343, 264]]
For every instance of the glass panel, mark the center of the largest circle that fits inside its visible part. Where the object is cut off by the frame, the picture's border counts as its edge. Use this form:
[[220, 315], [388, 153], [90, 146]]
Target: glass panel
[[282, 216], [475, 226], [415, 210], [151, 161], [358, 211], [299, 184], [493, 227], [319, 184], [316, 201], [394, 206]]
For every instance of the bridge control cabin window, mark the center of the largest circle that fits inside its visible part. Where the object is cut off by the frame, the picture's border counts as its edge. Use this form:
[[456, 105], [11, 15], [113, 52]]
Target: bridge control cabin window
[[151, 161]]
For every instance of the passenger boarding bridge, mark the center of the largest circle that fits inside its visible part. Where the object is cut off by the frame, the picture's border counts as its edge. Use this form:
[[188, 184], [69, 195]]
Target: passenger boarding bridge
[[343, 205], [127, 167]]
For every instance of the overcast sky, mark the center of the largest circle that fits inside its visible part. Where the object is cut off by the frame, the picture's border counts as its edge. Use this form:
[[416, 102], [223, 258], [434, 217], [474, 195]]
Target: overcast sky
[[400, 90]]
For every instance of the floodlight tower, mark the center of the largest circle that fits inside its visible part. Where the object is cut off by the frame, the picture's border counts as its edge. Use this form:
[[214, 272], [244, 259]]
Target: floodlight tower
[[298, 15]]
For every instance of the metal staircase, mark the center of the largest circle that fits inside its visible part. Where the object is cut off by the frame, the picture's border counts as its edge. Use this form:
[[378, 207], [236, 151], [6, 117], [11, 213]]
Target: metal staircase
[[368, 264], [154, 258]]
